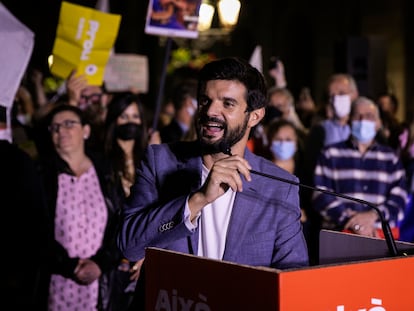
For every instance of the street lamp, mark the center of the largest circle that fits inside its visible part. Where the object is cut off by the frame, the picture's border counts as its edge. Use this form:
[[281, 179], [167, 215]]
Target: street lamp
[[211, 30], [205, 16], [228, 14]]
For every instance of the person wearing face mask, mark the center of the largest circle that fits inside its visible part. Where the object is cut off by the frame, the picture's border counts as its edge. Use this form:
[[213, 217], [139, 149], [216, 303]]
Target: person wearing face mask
[[342, 91], [126, 137], [286, 150], [185, 105], [362, 168], [283, 145]]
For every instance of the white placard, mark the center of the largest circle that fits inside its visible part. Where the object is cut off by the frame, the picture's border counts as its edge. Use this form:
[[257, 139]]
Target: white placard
[[125, 72], [17, 43]]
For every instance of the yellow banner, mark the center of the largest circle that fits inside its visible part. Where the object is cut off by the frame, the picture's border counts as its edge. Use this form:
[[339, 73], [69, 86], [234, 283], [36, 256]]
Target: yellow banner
[[84, 39]]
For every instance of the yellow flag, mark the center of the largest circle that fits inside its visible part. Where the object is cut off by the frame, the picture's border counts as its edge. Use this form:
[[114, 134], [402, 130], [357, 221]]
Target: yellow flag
[[84, 39]]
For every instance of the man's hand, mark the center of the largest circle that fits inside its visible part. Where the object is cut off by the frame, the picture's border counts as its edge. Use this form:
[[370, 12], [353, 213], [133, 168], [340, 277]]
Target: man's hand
[[278, 74], [224, 174], [136, 270], [363, 223]]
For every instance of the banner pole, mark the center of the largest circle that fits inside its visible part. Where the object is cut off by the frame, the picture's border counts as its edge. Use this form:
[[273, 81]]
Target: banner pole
[[162, 83]]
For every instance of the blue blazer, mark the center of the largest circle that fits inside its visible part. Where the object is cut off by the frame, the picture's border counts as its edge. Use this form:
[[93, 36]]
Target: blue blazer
[[264, 228]]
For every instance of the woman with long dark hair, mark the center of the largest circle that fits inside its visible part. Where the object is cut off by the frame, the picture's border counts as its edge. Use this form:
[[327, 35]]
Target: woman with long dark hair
[[126, 137]]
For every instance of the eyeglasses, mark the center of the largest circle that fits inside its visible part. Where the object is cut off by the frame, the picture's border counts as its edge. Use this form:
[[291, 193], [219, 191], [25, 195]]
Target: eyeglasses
[[66, 124], [92, 98]]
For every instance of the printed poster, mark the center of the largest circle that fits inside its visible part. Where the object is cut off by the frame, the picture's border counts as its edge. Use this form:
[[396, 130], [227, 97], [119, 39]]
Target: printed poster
[[84, 40], [173, 18]]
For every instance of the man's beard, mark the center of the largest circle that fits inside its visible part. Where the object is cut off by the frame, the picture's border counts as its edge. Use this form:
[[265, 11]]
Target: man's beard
[[230, 136]]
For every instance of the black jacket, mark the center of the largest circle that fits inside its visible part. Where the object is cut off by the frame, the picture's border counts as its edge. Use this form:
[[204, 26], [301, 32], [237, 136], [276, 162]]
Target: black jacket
[[108, 256], [23, 230]]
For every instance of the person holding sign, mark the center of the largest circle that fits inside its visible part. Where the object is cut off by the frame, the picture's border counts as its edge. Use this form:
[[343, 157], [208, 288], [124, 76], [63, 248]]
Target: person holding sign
[[84, 41], [93, 100]]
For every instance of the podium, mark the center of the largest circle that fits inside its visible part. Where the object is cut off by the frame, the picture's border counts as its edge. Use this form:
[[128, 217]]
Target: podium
[[176, 281]]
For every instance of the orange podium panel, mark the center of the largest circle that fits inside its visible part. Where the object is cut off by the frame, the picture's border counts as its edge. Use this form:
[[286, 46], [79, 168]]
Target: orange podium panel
[[360, 286], [178, 282]]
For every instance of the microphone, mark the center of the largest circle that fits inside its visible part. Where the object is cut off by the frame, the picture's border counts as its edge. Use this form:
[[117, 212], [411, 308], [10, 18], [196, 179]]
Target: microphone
[[392, 247]]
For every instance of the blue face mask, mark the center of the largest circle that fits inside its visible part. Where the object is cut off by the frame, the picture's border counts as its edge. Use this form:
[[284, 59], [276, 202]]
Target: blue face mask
[[364, 131], [282, 149]]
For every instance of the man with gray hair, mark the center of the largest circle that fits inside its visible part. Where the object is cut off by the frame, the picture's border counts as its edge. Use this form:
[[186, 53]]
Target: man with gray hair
[[342, 91], [362, 168]]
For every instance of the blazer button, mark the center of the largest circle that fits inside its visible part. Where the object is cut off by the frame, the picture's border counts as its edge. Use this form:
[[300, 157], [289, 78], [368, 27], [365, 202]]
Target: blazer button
[[166, 226]]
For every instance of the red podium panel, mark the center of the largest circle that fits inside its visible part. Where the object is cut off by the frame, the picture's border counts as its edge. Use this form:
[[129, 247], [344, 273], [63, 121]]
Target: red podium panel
[[176, 281]]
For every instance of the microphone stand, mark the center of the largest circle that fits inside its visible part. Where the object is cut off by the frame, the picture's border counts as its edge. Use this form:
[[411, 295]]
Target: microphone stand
[[392, 248]]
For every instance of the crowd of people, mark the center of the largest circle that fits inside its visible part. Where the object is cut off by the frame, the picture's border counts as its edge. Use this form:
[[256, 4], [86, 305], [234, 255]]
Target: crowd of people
[[100, 185]]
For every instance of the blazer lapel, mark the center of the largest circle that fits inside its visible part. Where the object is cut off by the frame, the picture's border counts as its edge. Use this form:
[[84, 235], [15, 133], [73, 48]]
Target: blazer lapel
[[192, 163], [240, 214]]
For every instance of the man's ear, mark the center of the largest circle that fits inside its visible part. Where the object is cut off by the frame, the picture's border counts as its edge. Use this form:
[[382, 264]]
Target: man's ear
[[86, 131], [256, 116]]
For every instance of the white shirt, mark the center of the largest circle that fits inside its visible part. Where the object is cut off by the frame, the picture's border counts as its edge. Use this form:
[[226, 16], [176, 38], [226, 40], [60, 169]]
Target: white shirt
[[213, 223]]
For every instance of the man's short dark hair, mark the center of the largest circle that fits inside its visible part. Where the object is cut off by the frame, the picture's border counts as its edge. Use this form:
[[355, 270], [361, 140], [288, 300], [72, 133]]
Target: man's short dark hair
[[233, 68]]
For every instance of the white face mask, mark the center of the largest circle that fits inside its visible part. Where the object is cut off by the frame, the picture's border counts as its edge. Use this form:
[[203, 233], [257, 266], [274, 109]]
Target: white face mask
[[283, 149], [342, 105], [364, 131]]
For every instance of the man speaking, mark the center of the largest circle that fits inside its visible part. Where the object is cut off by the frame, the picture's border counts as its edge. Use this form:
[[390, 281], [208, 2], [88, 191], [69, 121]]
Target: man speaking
[[200, 197]]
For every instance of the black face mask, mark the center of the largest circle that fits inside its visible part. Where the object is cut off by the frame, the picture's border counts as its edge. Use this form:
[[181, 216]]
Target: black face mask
[[128, 131], [271, 114]]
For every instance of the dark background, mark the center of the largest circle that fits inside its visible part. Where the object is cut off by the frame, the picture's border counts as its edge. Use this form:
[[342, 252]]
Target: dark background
[[373, 40]]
